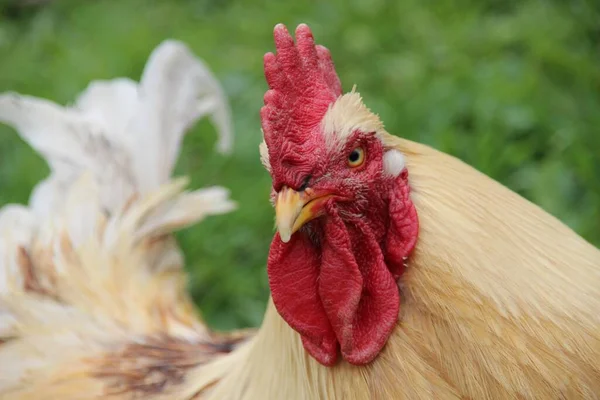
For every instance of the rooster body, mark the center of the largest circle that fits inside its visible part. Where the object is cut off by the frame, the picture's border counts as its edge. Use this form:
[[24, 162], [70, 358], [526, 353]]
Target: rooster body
[[499, 300]]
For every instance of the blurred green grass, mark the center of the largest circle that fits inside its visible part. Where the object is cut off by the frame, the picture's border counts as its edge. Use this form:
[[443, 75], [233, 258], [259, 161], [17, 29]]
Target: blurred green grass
[[511, 87]]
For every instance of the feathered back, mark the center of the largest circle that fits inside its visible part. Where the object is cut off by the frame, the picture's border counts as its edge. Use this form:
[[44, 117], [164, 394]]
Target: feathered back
[[92, 294]]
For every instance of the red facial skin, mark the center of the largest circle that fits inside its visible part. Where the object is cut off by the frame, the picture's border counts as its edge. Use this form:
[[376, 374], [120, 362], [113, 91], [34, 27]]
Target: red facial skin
[[334, 282]]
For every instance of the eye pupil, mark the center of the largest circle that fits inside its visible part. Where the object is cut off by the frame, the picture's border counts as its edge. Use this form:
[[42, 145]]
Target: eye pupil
[[356, 157]]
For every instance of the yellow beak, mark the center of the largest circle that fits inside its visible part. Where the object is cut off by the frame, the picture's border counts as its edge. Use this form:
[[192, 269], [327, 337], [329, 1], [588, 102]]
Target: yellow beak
[[294, 209]]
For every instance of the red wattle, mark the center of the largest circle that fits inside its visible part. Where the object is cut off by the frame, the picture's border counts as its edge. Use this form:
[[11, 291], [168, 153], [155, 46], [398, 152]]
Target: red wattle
[[362, 303], [340, 280], [377, 312], [293, 270], [403, 230], [343, 290]]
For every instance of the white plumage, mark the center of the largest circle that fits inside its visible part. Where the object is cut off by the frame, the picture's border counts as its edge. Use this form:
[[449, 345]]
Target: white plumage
[[88, 266]]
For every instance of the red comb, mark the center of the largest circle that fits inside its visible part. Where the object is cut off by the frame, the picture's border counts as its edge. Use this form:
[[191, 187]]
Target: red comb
[[302, 84]]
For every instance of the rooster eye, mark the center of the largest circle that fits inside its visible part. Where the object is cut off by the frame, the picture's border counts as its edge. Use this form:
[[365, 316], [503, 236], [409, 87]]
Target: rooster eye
[[356, 157]]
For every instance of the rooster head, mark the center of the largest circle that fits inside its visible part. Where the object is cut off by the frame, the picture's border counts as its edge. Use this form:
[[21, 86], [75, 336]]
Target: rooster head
[[344, 217]]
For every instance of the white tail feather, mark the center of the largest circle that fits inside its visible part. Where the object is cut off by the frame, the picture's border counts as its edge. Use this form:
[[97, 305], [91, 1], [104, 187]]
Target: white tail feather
[[127, 135], [89, 264]]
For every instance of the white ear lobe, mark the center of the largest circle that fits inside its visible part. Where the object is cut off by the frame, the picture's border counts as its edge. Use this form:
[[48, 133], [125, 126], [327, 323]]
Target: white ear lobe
[[393, 163]]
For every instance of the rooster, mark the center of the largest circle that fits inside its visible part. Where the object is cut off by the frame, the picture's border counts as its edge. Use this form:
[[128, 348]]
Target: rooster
[[397, 272]]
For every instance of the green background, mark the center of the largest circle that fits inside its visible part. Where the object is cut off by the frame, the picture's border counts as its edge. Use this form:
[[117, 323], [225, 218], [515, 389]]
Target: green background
[[511, 87]]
